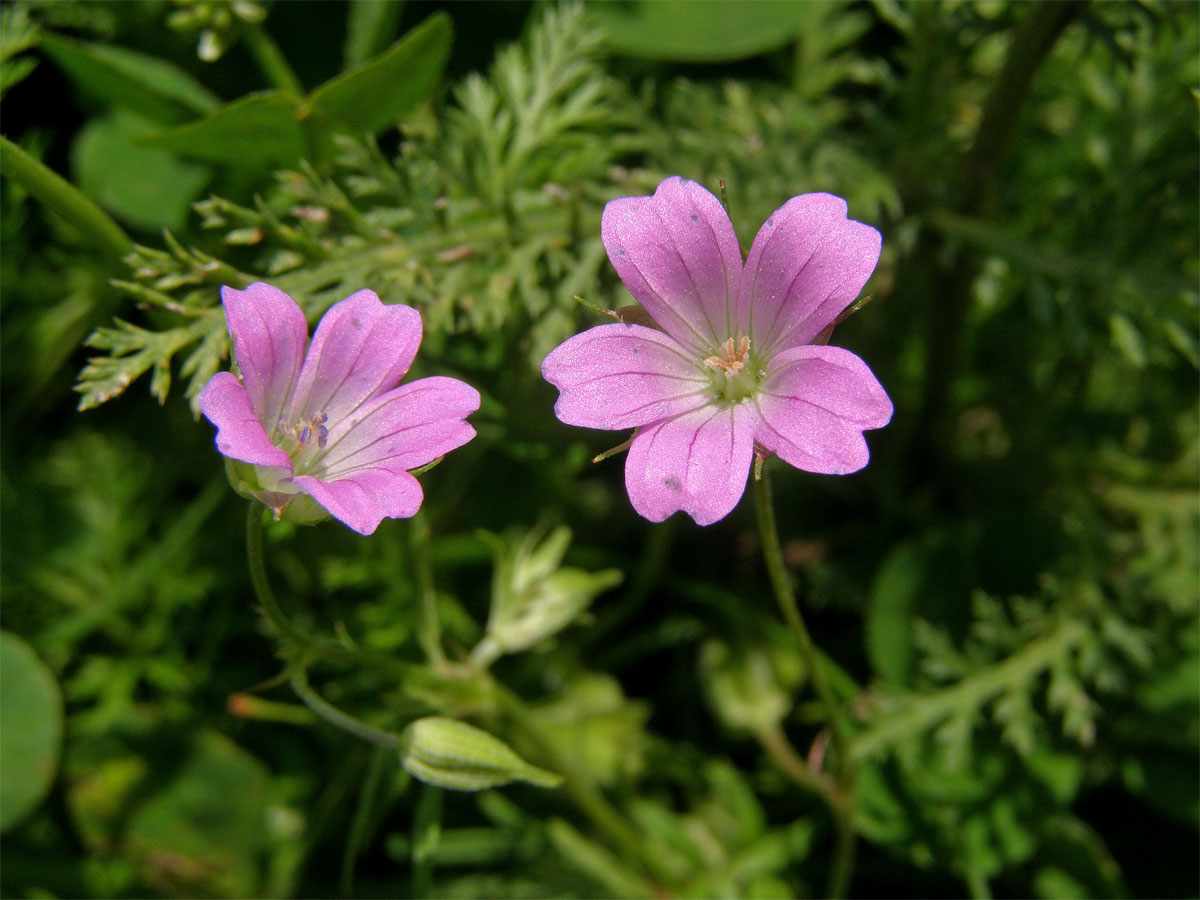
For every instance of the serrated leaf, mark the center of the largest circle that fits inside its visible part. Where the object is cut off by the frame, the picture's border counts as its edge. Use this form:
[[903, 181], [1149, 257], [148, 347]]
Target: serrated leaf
[[382, 91], [31, 720], [256, 130], [145, 84]]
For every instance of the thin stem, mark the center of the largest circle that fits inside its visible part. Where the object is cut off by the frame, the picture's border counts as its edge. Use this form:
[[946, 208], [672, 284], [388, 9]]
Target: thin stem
[[271, 61], [337, 718], [63, 198], [841, 795], [262, 587], [773, 557], [363, 813]]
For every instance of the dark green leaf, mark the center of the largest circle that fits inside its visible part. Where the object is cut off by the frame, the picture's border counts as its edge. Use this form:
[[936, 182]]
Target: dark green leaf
[[370, 26], [252, 131], [382, 91], [145, 84], [31, 720]]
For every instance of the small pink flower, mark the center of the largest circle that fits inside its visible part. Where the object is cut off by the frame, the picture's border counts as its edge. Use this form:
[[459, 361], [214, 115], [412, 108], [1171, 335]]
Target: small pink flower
[[331, 426], [735, 366]]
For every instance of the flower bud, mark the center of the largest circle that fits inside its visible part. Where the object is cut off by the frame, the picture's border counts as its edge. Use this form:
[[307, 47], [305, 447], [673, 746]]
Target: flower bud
[[532, 597], [459, 757]]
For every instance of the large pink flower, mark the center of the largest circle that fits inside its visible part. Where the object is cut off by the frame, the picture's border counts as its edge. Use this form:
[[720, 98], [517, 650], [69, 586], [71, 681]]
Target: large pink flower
[[331, 426], [734, 366]]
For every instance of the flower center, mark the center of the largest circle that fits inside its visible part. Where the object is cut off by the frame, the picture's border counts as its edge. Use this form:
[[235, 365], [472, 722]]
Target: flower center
[[299, 435], [734, 375]]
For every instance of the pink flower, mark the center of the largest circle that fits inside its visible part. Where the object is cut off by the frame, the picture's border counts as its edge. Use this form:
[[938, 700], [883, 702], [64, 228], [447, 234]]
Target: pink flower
[[330, 431], [735, 366]]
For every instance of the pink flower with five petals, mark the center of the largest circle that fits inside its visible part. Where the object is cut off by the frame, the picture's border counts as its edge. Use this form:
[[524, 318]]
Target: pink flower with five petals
[[735, 365], [331, 431]]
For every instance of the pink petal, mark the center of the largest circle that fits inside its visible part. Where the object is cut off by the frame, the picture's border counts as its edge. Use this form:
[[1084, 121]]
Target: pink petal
[[269, 335], [361, 349], [622, 376], [367, 497], [678, 255], [240, 435], [404, 429], [696, 462], [807, 264], [815, 406]]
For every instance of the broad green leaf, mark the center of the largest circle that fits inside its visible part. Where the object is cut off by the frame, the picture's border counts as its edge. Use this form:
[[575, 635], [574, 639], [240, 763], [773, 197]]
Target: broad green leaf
[[145, 84], [382, 91], [255, 130], [714, 31], [142, 186], [888, 625], [31, 722]]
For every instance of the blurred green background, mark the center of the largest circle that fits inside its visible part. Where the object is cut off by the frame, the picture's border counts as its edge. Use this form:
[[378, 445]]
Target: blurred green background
[[1008, 593]]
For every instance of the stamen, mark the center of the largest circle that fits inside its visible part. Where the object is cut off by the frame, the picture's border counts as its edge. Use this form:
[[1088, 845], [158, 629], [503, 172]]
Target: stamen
[[735, 360]]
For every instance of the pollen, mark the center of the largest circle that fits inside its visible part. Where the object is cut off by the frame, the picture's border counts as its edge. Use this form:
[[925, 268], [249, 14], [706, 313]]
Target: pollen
[[734, 360]]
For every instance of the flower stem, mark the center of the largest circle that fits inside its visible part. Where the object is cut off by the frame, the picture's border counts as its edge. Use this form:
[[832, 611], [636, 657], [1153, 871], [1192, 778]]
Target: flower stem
[[840, 796], [262, 587], [337, 718], [271, 61], [429, 627]]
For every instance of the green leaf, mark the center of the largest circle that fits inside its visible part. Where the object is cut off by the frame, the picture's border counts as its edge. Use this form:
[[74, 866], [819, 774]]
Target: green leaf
[[255, 130], [888, 626], [145, 84], [143, 186], [715, 31], [382, 91], [31, 720]]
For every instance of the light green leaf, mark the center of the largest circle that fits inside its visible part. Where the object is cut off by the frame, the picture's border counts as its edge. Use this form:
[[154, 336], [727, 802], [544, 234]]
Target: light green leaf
[[31, 721], [714, 31], [145, 84], [255, 130], [382, 91], [142, 186]]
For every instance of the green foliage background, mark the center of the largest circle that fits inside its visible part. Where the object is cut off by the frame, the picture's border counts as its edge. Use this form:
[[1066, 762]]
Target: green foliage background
[[1007, 596]]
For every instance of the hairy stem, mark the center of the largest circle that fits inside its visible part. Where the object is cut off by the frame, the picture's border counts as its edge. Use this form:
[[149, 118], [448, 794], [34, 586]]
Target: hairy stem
[[841, 795], [337, 718]]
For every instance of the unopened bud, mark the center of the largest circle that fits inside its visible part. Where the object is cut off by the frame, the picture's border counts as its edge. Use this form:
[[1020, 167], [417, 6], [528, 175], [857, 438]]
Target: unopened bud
[[454, 755]]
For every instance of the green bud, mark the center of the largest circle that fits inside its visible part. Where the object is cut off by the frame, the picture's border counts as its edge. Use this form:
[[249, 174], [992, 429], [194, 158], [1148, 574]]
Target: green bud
[[459, 757], [532, 596]]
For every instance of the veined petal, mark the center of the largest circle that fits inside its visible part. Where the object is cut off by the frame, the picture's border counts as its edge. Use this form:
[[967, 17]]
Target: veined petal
[[269, 334], [678, 255], [696, 462], [240, 434], [807, 264], [623, 376], [403, 429], [361, 349], [367, 497], [815, 406]]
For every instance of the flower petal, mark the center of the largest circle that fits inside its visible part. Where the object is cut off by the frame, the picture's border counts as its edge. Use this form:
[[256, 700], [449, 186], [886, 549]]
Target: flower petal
[[404, 429], [807, 264], [623, 376], [240, 435], [696, 462], [367, 497], [678, 255], [815, 406], [361, 349], [269, 334]]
